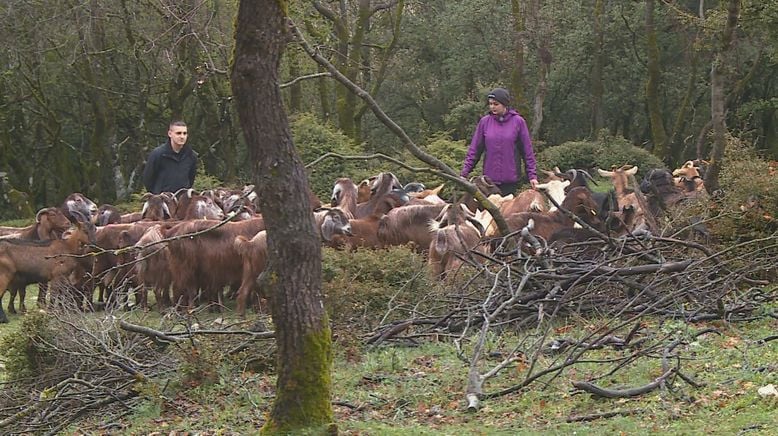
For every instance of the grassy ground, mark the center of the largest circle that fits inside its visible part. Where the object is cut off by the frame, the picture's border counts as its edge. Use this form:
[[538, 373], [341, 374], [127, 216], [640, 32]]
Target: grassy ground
[[419, 390]]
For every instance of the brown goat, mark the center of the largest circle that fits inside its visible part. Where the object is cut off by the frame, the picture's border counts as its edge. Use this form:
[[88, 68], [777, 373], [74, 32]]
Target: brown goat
[[25, 262], [625, 196], [380, 185], [408, 224], [151, 269], [208, 261], [105, 272], [157, 207], [345, 196], [578, 201], [455, 233], [526, 201], [50, 223], [364, 231], [483, 184], [108, 214], [253, 253]]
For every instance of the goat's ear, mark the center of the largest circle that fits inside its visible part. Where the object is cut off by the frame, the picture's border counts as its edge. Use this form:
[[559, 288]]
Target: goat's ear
[[604, 173], [632, 171], [146, 196]]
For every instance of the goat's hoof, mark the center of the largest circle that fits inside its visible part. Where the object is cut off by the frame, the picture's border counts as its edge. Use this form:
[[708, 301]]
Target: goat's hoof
[[3, 319], [12, 310]]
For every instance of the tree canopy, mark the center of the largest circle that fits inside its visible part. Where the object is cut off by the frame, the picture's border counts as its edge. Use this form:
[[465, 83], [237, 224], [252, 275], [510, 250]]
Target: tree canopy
[[83, 102]]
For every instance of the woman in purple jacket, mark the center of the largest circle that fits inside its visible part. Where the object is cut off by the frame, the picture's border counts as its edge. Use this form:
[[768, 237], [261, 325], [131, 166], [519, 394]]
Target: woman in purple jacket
[[503, 136]]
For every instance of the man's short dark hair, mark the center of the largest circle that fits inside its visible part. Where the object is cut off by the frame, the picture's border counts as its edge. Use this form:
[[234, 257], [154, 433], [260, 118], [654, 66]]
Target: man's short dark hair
[[176, 123]]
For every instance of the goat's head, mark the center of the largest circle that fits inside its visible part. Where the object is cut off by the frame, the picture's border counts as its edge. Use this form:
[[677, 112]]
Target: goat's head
[[576, 177], [155, 207], [486, 185], [335, 222], [78, 203], [83, 231], [107, 214], [579, 201], [384, 183], [687, 170], [414, 187], [202, 207], [344, 189], [657, 180], [553, 175], [52, 223], [390, 200], [555, 189], [456, 214]]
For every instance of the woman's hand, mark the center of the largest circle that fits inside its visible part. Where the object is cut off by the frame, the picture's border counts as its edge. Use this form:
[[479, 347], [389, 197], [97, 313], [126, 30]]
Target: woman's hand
[[534, 184]]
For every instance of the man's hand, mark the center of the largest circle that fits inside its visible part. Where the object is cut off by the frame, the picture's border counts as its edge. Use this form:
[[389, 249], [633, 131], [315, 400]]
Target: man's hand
[[534, 183]]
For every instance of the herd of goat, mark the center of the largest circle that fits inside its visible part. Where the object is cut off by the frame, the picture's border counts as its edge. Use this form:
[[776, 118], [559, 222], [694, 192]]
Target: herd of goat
[[179, 246]]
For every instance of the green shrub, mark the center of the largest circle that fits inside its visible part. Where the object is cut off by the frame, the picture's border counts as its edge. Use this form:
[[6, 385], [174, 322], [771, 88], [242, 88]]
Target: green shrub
[[313, 139], [24, 350], [358, 286], [605, 153], [749, 204], [205, 181]]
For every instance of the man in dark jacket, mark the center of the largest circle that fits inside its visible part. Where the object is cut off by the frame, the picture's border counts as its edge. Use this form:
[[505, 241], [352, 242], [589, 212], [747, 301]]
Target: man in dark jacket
[[173, 164]]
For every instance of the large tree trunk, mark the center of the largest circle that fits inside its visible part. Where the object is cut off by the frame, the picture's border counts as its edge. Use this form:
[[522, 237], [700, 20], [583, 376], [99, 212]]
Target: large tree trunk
[[293, 273], [717, 97], [658, 134]]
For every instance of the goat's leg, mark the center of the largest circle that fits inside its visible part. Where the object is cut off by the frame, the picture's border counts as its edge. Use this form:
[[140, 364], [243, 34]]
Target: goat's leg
[[22, 296], [3, 287], [13, 291]]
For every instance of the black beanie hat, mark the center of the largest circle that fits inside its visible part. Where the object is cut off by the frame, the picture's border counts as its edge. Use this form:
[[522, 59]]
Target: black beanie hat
[[500, 94]]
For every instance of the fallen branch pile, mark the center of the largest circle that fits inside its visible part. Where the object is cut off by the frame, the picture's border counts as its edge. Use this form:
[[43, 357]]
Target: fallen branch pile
[[618, 282], [104, 366]]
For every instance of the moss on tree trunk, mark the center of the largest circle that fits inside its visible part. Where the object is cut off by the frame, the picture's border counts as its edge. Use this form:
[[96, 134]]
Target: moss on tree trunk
[[303, 389]]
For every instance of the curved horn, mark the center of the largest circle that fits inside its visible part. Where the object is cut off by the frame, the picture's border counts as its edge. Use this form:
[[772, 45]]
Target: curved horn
[[145, 208], [43, 211], [589, 176]]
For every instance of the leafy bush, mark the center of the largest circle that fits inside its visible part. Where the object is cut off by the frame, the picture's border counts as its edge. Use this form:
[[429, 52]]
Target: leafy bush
[[24, 350], [313, 139], [358, 286], [205, 181], [604, 153], [750, 193]]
